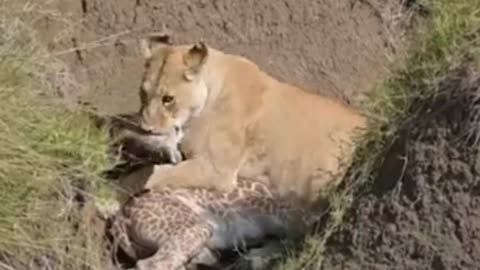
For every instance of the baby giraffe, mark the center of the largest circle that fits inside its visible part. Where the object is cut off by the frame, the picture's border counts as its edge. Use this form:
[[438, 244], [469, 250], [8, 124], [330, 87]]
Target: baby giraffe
[[170, 229]]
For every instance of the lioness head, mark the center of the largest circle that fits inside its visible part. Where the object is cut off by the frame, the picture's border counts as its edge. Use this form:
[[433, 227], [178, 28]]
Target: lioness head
[[172, 88]]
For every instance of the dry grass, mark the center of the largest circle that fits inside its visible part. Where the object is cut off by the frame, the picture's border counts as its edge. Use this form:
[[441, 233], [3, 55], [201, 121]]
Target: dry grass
[[50, 156]]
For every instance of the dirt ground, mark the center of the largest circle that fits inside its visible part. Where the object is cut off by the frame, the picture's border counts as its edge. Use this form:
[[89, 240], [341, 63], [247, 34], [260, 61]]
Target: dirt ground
[[338, 48], [423, 212]]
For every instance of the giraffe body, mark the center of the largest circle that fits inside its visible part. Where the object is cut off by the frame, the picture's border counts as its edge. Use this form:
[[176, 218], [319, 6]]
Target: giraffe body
[[170, 228]]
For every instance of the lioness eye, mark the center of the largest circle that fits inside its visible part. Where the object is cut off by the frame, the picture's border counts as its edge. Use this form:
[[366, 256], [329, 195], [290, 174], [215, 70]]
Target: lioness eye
[[167, 99]]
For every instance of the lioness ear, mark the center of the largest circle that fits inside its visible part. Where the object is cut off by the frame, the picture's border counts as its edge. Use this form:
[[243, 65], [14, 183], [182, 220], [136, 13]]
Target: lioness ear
[[153, 42], [195, 58]]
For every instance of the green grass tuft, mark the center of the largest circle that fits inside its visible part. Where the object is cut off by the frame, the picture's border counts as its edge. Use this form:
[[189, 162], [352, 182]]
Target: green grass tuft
[[48, 155]]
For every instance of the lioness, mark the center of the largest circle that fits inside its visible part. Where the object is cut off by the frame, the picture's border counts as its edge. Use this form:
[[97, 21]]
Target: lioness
[[240, 121]]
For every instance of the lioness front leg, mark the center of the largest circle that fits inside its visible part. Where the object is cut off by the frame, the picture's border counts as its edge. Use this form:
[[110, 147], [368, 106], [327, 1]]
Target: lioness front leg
[[215, 165], [192, 173]]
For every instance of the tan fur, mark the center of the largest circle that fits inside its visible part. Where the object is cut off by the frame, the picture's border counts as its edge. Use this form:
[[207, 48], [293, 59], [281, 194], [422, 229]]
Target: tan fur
[[240, 121]]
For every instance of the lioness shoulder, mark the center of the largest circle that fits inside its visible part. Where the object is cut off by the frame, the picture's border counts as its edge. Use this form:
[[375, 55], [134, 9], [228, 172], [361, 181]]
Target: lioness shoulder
[[239, 121]]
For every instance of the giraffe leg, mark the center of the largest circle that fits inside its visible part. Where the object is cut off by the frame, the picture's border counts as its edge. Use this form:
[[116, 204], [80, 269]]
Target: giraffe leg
[[205, 257], [181, 247], [120, 236]]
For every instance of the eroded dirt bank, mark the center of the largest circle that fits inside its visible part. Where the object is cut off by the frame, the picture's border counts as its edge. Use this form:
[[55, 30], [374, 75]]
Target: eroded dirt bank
[[423, 212], [334, 47]]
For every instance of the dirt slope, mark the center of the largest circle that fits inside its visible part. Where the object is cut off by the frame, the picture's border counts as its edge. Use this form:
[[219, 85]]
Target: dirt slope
[[334, 47], [424, 211]]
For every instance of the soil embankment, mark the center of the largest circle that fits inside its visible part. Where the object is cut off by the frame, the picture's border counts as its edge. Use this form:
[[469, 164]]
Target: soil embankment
[[336, 48]]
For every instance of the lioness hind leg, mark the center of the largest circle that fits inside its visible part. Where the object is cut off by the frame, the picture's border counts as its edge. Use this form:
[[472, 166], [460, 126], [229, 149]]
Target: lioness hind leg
[[180, 248]]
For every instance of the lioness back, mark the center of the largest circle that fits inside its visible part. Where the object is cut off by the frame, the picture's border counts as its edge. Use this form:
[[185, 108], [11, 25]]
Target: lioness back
[[241, 121], [304, 137]]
